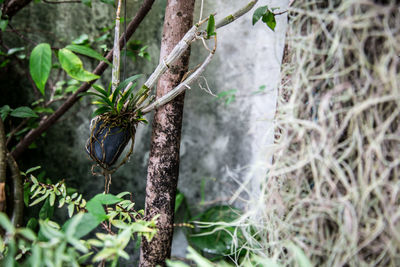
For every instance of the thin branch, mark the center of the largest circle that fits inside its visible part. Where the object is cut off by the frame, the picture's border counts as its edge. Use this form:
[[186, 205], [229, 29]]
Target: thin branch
[[62, 2], [15, 130], [20, 35], [236, 15], [182, 86], [101, 67]]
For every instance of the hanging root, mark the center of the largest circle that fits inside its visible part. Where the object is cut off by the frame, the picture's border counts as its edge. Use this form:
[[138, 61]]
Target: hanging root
[[332, 189]]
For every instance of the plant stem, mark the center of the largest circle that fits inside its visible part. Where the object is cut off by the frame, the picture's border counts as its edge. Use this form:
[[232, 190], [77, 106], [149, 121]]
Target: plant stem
[[116, 51]]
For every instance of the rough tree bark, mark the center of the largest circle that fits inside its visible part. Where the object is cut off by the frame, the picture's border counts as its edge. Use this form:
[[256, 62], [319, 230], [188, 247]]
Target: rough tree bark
[[47, 122], [163, 165]]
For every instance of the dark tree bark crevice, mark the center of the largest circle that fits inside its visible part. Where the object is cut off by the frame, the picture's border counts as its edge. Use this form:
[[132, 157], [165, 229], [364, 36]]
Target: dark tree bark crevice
[[163, 169]]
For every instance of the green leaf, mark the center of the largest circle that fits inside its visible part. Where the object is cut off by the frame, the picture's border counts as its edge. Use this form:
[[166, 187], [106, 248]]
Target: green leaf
[[210, 239], [259, 13], [299, 255], [23, 112], [3, 24], [105, 99], [198, 259], [211, 26], [87, 51], [87, 3], [82, 39], [82, 259], [124, 97], [4, 111], [100, 89], [178, 201], [27, 192], [27, 233], [72, 64], [32, 224], [176, 264], [71, 208], [122, 194], [40, 65], [71, 89], [269, 19], [52, 198], [100, 111], [94, 206], [115, 95], [122, 86], [109, 2], [15, 50], [43, 110], [5, 223], [46, 212], [85, 226], [32, 170]]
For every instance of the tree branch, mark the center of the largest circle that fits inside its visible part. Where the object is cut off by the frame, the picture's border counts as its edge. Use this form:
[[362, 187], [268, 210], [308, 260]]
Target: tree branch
[[12, 7], [62, 2], [101, 67]]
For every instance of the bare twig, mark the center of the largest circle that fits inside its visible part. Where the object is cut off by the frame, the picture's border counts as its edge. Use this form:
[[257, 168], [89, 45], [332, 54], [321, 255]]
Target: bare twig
[[236, 15]]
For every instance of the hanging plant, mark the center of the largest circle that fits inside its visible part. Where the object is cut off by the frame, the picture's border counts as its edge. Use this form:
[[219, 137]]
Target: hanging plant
[[117, 114], [120, 109], [116, 118]]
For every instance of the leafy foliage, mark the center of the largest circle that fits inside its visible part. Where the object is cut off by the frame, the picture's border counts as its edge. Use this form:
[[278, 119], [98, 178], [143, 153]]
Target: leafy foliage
[[266, 15], [60, 245], [121, 100]]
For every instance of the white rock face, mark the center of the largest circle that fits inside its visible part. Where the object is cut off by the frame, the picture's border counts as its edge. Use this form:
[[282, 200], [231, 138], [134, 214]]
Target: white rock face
[[224, 147]]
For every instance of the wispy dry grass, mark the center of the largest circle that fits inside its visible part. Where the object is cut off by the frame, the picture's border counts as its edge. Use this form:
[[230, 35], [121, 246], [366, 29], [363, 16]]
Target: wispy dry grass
[[333, 188]]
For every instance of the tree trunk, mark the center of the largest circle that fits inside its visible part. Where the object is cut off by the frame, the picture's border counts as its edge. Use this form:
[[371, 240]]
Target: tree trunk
[[163, 169]]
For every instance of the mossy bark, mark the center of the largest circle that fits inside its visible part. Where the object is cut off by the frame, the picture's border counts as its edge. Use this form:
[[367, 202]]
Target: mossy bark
[[163, 168]]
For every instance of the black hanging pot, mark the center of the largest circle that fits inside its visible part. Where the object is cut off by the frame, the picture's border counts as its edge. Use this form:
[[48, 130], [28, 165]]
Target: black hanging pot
[[107, 141]]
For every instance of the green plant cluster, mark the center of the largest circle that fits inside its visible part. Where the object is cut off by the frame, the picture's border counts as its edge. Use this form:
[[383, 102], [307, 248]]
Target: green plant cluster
[[61, 245]]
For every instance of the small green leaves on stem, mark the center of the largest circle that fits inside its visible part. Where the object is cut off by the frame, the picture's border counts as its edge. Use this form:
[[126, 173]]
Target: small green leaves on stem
[[266, 15], [40, 65], [211, 26], [20, 112], [23, 112]]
